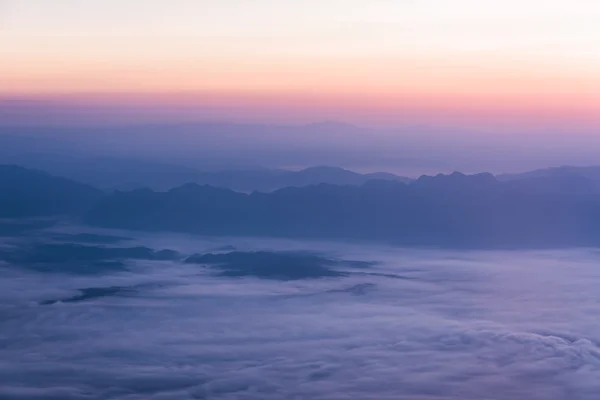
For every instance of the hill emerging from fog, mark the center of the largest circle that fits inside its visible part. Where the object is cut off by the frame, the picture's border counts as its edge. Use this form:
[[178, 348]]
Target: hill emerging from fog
[[453, 210], [445, 210]]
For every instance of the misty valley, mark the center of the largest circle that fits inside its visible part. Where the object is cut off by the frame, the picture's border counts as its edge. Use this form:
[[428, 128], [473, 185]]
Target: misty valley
[[442, 287], [94, 313]]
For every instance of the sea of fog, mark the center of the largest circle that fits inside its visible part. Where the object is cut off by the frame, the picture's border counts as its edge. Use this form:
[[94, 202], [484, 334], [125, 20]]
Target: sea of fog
[[416, 324]]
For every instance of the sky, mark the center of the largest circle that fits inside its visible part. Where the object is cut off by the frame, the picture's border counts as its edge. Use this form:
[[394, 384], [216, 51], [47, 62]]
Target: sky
[[517, 64]]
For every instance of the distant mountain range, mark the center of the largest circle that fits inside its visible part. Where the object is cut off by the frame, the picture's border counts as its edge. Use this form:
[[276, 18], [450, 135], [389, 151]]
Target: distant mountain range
[[566, 172], [446, 210], [110, 173], [268, 180], [210, 146], [453, 210], [213, 145]]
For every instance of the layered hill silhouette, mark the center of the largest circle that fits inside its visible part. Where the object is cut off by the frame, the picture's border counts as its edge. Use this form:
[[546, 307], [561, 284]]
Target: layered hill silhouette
[[446, 210], [268, 180], [110, 173], [453, 210]]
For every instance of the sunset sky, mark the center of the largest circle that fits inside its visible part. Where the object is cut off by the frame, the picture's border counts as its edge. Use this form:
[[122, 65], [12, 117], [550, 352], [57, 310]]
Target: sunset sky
[[475, 63]]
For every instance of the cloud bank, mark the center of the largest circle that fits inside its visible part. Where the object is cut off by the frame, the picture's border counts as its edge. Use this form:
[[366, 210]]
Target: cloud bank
[[415, 325]]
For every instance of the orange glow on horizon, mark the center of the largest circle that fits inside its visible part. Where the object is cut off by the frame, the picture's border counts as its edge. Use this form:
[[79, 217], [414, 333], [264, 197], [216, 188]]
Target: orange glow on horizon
[[486, 112], [510, 62]]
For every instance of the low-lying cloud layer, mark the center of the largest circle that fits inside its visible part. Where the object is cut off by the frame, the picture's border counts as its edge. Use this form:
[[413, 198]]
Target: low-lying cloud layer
[[415, 325]]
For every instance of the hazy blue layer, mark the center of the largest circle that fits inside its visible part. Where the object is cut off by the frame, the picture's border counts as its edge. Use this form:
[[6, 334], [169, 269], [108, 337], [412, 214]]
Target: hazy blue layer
[[416, 325]]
